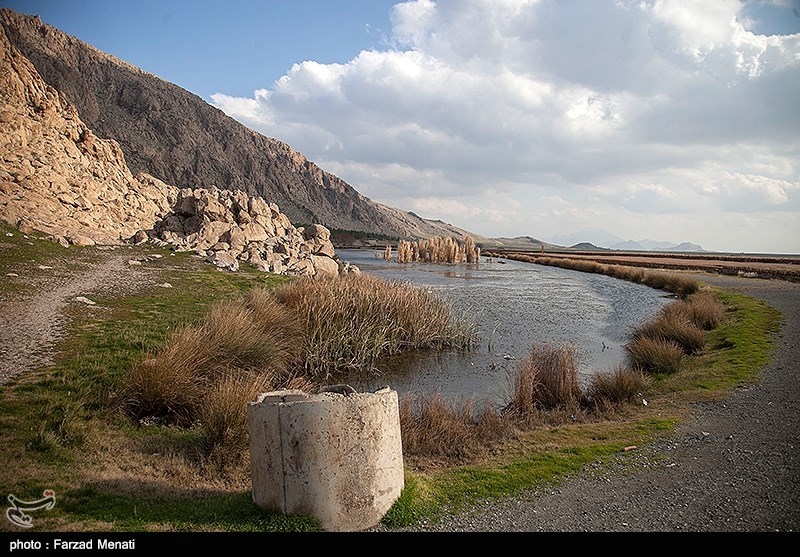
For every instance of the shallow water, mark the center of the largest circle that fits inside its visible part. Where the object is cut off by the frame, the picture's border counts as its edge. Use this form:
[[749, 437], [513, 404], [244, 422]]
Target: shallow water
[[514, 305]]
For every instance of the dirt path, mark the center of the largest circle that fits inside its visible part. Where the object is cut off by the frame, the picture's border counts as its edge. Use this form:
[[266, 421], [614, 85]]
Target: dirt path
[[32, 319]]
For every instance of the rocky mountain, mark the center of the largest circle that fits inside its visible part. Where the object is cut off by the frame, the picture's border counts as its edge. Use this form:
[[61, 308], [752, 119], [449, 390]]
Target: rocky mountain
[[59, 178], [179, 139]]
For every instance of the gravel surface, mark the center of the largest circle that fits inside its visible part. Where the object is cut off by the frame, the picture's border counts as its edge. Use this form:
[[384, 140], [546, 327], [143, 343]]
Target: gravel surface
[[732, 467]]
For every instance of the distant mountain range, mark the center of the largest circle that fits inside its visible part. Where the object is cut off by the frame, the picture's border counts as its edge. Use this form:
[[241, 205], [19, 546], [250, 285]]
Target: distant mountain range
[[589, 238]]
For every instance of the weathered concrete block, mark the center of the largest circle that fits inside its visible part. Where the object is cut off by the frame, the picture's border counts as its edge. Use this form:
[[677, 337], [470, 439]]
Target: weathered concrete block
[[336, 457]]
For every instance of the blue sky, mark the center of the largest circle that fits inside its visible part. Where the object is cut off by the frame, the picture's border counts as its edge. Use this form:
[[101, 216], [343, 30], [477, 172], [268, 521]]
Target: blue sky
[[673, 120]]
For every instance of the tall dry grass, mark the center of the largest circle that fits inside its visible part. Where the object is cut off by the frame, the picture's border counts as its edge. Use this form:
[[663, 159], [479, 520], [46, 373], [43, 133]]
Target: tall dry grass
[[546, 379], [683, 322], [672, 327], [655, 355], [292, 336], [546, 391], [438, 250], [608, 391], [702, 309], [256, 338], [434, 427], [354, 320]]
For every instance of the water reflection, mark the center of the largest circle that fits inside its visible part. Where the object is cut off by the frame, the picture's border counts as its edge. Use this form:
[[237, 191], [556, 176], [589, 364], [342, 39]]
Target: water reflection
[[514, 305]]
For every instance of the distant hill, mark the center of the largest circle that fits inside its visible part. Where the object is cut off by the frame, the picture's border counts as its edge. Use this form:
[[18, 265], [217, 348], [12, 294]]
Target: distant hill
[[686, 246], [629, 245], [603, 239], [519, 242], [587, 246]]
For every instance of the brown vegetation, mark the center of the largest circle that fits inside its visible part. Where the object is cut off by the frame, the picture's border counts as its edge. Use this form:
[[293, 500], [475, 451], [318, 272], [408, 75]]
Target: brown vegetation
[[438, 250], [761, 266]]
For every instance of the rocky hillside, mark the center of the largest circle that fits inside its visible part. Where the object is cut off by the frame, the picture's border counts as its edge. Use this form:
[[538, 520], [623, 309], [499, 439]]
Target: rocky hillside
[[176, 137], [59, 178]]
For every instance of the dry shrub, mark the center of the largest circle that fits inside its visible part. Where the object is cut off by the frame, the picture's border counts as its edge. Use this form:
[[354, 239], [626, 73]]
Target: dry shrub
[[546, 379], [679, 285], [224, 412], [672, 324], [435, 428], [170, 386], [655, 355], [353, 320], [705, 310], [255, 335], [609, 390]]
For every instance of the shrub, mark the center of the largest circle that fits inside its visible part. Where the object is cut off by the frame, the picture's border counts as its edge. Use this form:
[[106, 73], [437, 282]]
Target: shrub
[[433, 427], [255, 335], [546, 379], [673, 325], [705, 310], [611, 389], [655, 355], [224, 412], [353, 320]]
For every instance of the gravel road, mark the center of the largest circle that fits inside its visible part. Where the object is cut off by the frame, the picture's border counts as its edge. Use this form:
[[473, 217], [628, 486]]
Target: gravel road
[[732, 467]]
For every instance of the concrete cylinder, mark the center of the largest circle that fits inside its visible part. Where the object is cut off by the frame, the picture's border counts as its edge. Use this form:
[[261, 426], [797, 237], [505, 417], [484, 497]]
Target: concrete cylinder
[[336, 457]]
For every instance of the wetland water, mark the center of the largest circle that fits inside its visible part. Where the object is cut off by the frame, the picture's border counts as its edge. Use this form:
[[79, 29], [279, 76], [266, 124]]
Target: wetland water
[[514, 305]]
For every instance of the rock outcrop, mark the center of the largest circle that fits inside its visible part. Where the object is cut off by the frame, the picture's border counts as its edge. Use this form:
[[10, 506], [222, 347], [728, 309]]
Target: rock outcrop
[[229, 227], [59, 178]]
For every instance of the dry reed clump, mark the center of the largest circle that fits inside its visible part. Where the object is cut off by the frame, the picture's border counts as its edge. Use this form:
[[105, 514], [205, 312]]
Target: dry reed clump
[[254, 339], [673, 324], [434, 428], [545, 380], [655, 355], [221, 414], [607, 391], [353, 320], [679, 285], [438, 250], [703, 309]]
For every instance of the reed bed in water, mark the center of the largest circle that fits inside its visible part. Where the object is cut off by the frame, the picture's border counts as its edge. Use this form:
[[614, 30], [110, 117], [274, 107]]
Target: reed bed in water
[[296, 335]]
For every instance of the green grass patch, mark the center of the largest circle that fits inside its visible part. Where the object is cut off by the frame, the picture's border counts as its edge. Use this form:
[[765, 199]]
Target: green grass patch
[[143, 511], [547, 458]]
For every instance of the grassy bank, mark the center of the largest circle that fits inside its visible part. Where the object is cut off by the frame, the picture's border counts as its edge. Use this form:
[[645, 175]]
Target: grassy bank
[[75, 427]]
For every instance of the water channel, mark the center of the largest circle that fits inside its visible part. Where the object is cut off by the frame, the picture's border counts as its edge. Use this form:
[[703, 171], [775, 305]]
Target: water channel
[[514, 305]]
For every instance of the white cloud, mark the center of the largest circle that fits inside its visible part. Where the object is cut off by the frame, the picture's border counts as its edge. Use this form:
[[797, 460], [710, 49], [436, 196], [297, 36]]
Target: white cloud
[[507, 117]]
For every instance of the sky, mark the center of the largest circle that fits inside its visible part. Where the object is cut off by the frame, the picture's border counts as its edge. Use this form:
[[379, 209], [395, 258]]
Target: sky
[[669, 120]]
